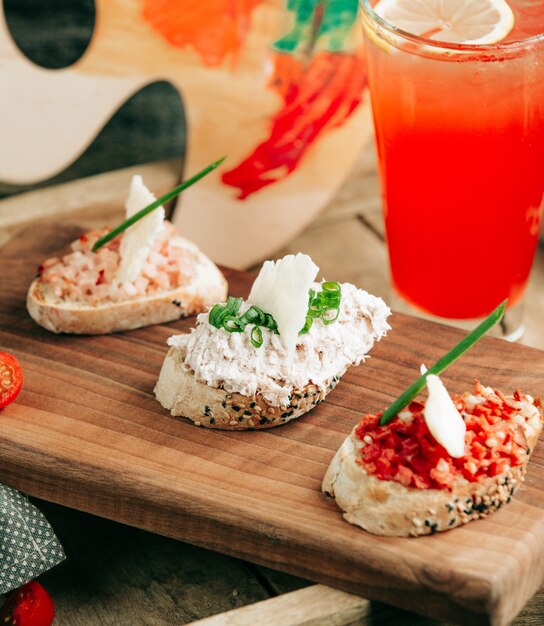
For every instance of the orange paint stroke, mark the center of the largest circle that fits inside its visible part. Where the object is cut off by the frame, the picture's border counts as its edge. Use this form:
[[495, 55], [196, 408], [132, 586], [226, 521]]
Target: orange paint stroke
[[318, 96], [214, 28]]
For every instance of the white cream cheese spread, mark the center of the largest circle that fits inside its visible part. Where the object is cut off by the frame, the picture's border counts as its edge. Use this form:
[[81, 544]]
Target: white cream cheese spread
[[229, 360]]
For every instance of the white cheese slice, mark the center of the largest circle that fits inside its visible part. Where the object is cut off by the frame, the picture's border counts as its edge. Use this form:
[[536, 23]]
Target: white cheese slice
[[281, 289], [442, 417], [137, 241]]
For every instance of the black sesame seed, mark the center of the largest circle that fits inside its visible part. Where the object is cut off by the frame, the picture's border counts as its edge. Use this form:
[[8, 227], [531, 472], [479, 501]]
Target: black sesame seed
[[207, 411], [247, 413], [212, 420], [452, 521], [252, 405], [434, 528], [427, 523], [224, 404], [449, 507], [306, 394], [176, 302], [235, 407]]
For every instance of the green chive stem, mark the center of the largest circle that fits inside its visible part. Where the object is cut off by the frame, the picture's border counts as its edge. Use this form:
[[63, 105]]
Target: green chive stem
[[156, 203], [452, 356]]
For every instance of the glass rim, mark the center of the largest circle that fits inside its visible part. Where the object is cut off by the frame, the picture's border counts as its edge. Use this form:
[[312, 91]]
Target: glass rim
[[515, 44]]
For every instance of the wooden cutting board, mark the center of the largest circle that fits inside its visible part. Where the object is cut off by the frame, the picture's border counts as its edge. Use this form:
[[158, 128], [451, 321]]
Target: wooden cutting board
[[86, 432]]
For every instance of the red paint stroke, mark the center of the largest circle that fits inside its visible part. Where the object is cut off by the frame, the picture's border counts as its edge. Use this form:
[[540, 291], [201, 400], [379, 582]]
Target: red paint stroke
[[214, 28], [317, 96]]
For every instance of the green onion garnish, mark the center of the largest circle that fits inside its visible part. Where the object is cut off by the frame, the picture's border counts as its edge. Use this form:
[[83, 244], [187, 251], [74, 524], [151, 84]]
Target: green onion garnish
[[307, 326], [324, 305], [216, 315], [256, 336], [253, 315], [233, 324], [330, 314], [442, 364], [155, 204]]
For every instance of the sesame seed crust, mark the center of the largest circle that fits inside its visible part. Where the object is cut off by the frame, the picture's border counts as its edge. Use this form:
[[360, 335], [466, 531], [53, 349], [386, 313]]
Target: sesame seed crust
[[211, 407], [385, 507]]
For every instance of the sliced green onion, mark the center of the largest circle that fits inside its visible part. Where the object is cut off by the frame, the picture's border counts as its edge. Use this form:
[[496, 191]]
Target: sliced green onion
[[253, 315], [233, 324], [326, 317], [233, 305], [330, 287], [307, 325], [324, 304], [216, 315], [155, 204], [452, 356], [270, 323], [256, 336]]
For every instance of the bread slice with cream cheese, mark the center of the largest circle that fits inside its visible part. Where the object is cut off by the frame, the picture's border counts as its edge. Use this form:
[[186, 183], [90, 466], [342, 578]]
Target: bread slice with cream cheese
[[219, 379]]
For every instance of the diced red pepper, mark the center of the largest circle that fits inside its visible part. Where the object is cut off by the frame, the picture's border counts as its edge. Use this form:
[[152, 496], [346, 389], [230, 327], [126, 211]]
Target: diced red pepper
[[406, 452]]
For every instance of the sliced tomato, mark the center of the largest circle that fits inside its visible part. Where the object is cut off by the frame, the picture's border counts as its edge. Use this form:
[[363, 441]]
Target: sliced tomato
[[30, 605], [11, 378]]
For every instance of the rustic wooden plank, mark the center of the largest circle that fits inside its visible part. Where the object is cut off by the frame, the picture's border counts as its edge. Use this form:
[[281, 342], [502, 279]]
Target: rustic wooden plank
[[115, 574], [87, 432], [308, 607], [323, 606]]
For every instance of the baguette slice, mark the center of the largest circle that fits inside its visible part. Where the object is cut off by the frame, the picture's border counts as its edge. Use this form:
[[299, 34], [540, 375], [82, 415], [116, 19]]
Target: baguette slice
[[219, 379], [207, 286], [387, 507], [182, 394]]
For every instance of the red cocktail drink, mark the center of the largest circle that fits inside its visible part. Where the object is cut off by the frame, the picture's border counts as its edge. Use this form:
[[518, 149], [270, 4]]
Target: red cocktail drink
[[460, 137]]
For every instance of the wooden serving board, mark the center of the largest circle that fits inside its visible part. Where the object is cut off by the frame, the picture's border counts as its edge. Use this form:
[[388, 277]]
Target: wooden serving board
[[86, 432]]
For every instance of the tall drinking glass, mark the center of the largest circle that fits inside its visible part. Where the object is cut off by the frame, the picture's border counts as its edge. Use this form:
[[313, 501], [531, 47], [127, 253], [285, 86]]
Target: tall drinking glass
[[460, 140]]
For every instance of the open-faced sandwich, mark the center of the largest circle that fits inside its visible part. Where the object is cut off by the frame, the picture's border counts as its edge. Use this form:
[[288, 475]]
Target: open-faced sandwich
[[438, 464], [146, 275], [270, 359]]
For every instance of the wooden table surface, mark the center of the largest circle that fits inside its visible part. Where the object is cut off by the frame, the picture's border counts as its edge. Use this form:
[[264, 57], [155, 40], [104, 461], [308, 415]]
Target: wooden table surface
[[115, 574]]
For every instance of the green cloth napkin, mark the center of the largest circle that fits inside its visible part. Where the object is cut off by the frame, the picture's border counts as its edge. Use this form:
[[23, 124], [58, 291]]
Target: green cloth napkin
[[28, 545]]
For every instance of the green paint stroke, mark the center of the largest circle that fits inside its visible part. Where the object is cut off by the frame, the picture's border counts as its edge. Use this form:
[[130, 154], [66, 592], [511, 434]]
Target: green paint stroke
[[323, 24]]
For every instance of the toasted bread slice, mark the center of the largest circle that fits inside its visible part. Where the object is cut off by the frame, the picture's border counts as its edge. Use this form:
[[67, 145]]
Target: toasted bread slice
[[387, 507], [182, 394], [207, 286], [220, 379]]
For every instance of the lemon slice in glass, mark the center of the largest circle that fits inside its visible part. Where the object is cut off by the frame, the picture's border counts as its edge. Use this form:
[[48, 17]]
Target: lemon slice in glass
[[452, 21]]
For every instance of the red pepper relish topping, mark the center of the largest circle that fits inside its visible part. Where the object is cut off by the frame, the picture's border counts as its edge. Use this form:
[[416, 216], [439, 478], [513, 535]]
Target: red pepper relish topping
[[405, 451]]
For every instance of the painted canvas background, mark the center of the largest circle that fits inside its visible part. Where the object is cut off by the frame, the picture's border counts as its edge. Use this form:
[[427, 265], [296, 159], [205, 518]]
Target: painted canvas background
[[278, 86]]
